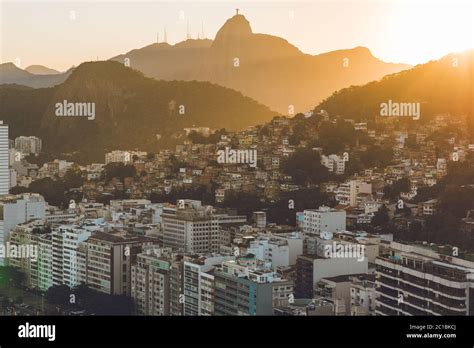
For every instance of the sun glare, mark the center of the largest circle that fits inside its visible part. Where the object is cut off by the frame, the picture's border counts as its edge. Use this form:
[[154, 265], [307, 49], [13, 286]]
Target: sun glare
[[430, 31]]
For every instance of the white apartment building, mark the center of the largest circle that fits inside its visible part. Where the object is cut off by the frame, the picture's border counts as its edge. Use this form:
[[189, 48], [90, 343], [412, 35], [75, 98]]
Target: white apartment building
[[324, 219], [37, 267], [45, 262], [17, 209], [4, 160], [68, 262], [194, 228], [418, 280], [272, 250], [295, 242], [346, 193], [28, 145], [334, 163]]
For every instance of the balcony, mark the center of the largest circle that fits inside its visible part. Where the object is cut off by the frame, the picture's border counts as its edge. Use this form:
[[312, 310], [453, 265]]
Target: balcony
[[386, 291], [412, 310], [386, 311], [444, 311], [388, 282]]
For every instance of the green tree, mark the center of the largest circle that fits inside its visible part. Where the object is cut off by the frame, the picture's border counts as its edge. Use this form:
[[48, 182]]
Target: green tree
[[11, 276], [393, 191], [381, 217], [73, 178], [51, 190], [59, 295], [304, 165], [118, 170]]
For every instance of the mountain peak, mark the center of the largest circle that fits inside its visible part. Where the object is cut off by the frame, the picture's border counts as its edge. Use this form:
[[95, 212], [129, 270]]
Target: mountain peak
[[41, 70], [234, 28], [9, 66]]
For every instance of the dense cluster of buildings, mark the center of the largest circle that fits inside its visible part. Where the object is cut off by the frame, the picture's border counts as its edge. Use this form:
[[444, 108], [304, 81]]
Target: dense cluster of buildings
[[190, 258]]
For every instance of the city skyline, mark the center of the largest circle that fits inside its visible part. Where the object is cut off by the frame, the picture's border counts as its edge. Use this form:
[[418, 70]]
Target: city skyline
[[287, 168]]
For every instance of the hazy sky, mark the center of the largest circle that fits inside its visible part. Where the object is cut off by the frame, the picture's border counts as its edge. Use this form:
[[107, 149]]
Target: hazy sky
[[60, 34]]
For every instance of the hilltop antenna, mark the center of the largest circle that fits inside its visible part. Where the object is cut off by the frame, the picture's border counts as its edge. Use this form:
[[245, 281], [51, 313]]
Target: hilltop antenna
[[188, 35], [237, 11], [165, 36]]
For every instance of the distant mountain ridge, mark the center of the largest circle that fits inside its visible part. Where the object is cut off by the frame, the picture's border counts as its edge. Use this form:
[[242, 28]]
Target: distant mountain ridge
[[11, 74], [41, 70], [264, 67], [130, 110], [440, 86]]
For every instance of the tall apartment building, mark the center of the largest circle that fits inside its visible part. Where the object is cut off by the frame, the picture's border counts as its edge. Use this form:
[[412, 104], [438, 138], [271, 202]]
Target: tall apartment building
[[18, 209], [417, 280], [198, 283], [109, 258], [28, 145], [34, 238], [207, 292], [68, 261], [324, 219], [248, 290], [4, 160], [150, 283], [177, 286], [193, 228], [44, 264]]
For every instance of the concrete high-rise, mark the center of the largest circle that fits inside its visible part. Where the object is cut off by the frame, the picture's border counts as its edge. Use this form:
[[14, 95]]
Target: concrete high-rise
[[4, 160], [150, 282], [109, 258], [16, 210], [324, 219], [193, 228], [416, 280]]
